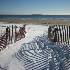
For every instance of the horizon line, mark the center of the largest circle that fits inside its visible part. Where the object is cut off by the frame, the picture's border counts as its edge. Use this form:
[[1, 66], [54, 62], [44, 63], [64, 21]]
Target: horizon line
[[34, 14]]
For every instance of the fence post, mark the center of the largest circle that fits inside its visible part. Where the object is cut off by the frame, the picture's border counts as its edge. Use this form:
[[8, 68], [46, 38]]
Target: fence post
[[58, 37], [12, 30], [59, 33], [69, 32], [63, 36], [55, 34], [6, 34], [11, 39], [15, 34], [62, 27], [49, 31], [59, 27], [64, 33], [9, 34]]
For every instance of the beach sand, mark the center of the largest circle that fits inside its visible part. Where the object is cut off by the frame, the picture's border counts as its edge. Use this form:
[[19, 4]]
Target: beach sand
[[37, 21]]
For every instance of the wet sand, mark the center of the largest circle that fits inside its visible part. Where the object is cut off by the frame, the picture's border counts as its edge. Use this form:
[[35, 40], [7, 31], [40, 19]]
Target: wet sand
[[37, 21]]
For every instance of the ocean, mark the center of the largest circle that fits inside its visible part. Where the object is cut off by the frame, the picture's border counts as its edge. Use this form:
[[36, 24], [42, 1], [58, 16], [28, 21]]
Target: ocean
[[36, 16]]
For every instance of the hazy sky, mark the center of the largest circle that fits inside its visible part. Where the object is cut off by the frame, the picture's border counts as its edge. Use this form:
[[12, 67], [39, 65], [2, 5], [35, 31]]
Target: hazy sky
[[22, 7]]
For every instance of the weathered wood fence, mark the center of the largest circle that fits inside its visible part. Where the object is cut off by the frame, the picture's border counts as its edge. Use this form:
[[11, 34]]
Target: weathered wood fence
[[59, 33], [11, 35]]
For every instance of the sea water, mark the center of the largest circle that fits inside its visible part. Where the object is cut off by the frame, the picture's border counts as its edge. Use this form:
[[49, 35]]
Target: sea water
[[36, 16]]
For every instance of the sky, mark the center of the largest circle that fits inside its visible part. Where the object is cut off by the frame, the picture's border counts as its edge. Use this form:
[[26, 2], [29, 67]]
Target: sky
[[27, 7]]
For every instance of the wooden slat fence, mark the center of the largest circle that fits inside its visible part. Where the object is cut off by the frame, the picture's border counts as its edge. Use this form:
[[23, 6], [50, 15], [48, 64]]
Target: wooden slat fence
[[59, 33], [7, 38]]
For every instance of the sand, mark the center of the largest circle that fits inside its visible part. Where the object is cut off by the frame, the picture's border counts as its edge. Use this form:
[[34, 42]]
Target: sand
[[38, 21]]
